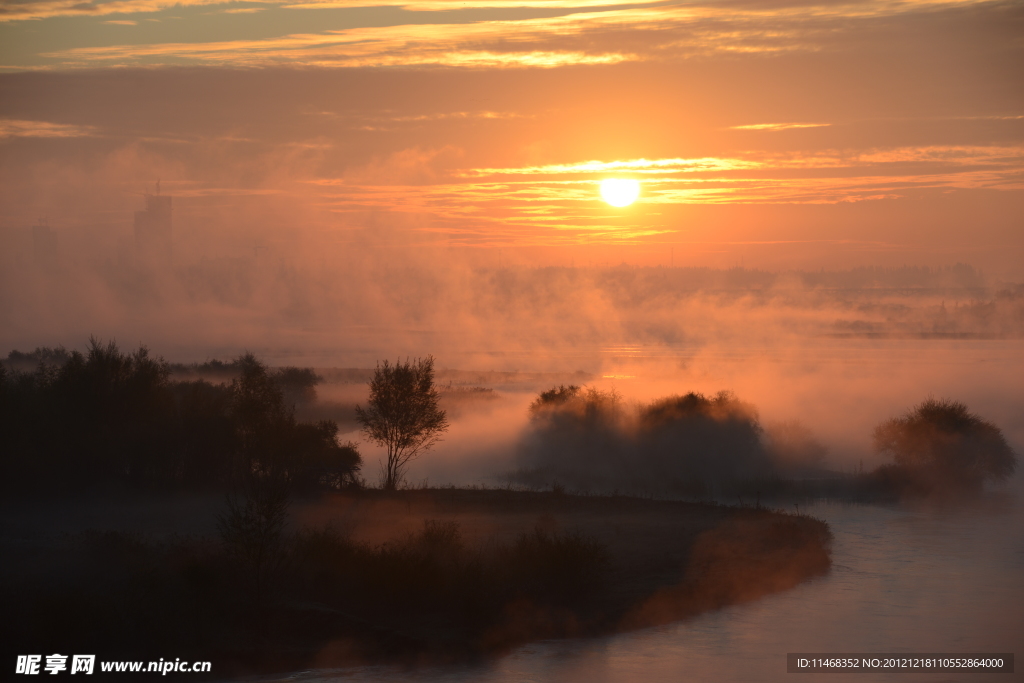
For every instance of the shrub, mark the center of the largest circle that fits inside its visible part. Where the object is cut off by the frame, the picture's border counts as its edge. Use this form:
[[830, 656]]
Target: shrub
[[683, 445], [945, 445]]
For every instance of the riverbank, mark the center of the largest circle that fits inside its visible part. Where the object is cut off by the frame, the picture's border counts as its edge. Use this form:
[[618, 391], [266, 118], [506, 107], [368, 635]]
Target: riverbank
[[419, 576]]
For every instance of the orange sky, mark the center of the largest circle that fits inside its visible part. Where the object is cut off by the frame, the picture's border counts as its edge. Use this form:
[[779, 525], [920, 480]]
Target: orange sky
[[775, 134]]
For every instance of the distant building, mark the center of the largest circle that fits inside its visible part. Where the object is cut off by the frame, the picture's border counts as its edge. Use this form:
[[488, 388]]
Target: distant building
[[153, 230], [44, 245]]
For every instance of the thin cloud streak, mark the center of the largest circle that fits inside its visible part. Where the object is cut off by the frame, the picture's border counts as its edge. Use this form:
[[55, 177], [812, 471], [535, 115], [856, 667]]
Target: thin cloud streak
[[15, 128], [448, 5], [45, 9], [405, 45], [594, 37], [779, 126], [633, 165]]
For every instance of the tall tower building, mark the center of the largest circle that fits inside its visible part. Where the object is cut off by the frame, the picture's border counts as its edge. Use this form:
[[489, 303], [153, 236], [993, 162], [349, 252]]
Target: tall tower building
[[153, 230]]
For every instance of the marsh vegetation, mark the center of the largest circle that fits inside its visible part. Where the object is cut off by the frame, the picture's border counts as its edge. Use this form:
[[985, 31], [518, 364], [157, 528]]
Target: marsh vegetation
[[420, 575]]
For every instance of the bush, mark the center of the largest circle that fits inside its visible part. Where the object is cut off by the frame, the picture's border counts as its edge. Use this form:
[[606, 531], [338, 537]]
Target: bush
[[682, 445], [942, 444]]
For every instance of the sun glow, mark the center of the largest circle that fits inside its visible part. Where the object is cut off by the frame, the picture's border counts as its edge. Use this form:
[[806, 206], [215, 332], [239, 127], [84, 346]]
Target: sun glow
[[620, 191]]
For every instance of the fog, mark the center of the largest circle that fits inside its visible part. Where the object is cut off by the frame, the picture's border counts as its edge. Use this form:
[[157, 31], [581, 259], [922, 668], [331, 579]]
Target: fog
[[839, 351], [839, 390]]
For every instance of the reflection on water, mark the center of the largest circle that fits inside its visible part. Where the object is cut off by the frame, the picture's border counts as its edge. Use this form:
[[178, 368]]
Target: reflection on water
[[904, 580]]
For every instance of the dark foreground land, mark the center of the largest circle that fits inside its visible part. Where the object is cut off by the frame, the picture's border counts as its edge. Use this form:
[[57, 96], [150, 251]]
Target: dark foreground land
[[416, 576]]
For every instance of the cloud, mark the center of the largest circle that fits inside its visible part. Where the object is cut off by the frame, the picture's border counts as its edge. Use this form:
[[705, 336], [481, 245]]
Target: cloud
[[779, 126], [387, 122], [43, 9], [654, 166], [447, 5], [413, 44], [617, 34], [14, 128]]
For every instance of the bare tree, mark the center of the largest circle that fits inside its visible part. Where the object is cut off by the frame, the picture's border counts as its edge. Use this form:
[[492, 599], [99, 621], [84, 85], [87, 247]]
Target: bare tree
[[403, 414]]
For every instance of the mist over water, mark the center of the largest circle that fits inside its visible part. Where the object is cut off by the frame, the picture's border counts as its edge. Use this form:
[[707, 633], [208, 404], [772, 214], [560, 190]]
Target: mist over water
[[838, 351], [838, 388]]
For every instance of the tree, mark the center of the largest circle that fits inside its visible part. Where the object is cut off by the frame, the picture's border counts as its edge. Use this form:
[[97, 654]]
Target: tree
[[272, 443], [403, 414], [944, 443], [322, 462], [555, 396], [260, 415]]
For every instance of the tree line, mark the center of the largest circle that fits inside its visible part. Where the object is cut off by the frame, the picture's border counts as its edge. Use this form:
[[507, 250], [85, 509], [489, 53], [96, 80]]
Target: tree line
[[112, 418], [109, 417], [694, 445]]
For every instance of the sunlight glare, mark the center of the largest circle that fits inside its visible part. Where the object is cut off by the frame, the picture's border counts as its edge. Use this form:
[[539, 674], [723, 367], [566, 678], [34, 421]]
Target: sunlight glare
[[620, 191]]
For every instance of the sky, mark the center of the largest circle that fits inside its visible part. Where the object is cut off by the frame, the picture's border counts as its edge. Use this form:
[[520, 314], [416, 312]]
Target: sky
[[774, 134]]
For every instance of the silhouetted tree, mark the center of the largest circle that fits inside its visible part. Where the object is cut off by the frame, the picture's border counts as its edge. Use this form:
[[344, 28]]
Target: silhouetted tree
[[205, 437], [943, 443], [43, 355], [260, 415], [403, 414], [271, 442], [554, 396], [109, 412], [297, 384], [107, 417], [321, 461]]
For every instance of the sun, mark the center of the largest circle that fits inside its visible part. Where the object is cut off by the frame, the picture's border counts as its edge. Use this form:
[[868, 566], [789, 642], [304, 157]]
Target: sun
[[620, 191]]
